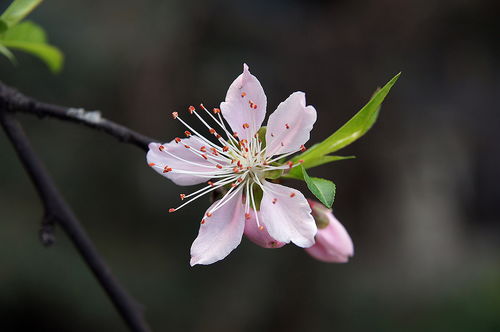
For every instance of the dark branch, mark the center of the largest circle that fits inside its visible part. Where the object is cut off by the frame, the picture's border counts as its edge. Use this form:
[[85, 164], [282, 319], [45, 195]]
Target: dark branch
[[56, 210], [14, 101]]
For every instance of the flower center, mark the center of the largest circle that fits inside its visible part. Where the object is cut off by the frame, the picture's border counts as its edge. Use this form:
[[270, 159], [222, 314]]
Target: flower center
[[232, 164]]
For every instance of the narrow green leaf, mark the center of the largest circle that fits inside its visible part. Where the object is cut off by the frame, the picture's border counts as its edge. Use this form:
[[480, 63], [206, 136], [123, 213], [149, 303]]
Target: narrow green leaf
[[296, 172], [323, 189], [8, 54], [52, 57], [356, 127], [18, 10]]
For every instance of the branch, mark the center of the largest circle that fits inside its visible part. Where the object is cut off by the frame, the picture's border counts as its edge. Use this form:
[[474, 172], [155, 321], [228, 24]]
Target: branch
[[14, 101], [56, 209]]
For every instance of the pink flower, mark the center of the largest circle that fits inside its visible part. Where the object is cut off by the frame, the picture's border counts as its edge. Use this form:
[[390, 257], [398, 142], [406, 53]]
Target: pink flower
[[333, 243], [241, 163]]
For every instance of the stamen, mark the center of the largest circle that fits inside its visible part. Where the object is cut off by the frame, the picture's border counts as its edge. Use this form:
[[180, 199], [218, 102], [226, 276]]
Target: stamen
[[216, 110], [243, 94], [275, 200], [287, 126], [177, 140], [203, 149], [247, 216], [167, 169], [152, 164], [171, 210], [191, 109], [182, 196], [246, 125], [303, 148], [175, 115], [187, 133], [161, 148], [292, 195]]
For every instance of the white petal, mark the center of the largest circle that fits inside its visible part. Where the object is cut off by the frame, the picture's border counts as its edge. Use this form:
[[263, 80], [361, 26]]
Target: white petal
[[220, 233], [289, 126], [179, 158], [287, 215], [245, 105]]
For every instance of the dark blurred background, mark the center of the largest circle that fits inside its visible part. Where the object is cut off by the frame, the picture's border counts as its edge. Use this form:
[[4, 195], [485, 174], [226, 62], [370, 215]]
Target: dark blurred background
[[421, 201]]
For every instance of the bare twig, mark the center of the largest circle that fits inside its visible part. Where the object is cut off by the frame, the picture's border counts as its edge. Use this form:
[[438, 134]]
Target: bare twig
[[56, 209], [14, 101]]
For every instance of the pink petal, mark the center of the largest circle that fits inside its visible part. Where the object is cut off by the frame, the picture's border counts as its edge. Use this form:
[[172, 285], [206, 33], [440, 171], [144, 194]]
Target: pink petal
[[158, 158], [287, 215], [220, 233], [289, 126], [245, 105], [333, 243], [260, 236]]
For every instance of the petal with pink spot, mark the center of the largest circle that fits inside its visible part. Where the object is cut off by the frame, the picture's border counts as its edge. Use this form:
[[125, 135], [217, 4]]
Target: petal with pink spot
[[178, 158], [287, 215], [288, 127], [220, 233], [245, 105]]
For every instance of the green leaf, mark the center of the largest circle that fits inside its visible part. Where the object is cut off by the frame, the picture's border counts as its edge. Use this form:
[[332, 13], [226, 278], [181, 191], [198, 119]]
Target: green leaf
[[8, 54], [356, 127], [296, 172], [30, 37], [323, 189], [17, 10]]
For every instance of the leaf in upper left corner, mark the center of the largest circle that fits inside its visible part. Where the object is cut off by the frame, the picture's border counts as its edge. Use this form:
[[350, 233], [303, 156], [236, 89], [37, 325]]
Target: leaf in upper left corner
[[17, 11], [31, 38]]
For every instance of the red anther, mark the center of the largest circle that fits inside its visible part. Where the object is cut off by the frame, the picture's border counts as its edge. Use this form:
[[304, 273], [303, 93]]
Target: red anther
[[203, 148], [239, 179], [202, 221], [246, 149], [175, 115], [265, 163], [218, 136], [177, 140], [254, 106], [235, 134], [191, 109], [209, 214], [152, 164], [287, 126], [212, 131], [218, 166], [232, 161], [233, 185], [272, 135], [167, 169], [182, 196], [161, 148], [236, 170], [204, 156], [171, 210], [210, 183], [275, 200], [246, 125], [202, 106], [301, 161], [216, 110], [292, 195], [303, 148], [225, 148], [239, 164], [247, 215], [243, 94], [290, 164], [187, 146], [187, 133], [214, 151], [261, 228]]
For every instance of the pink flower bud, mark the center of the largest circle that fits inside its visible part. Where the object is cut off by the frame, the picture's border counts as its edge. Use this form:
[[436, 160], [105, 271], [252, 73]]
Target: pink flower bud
[[259, 236], [333, 243]]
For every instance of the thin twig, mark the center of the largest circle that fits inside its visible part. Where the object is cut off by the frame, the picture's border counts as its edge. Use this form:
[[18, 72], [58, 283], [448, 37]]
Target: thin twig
[[56, 209], [14, 101]]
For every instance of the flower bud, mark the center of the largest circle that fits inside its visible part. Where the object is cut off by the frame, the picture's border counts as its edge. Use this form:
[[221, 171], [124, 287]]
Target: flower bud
[[259, 236], [333, 243]]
